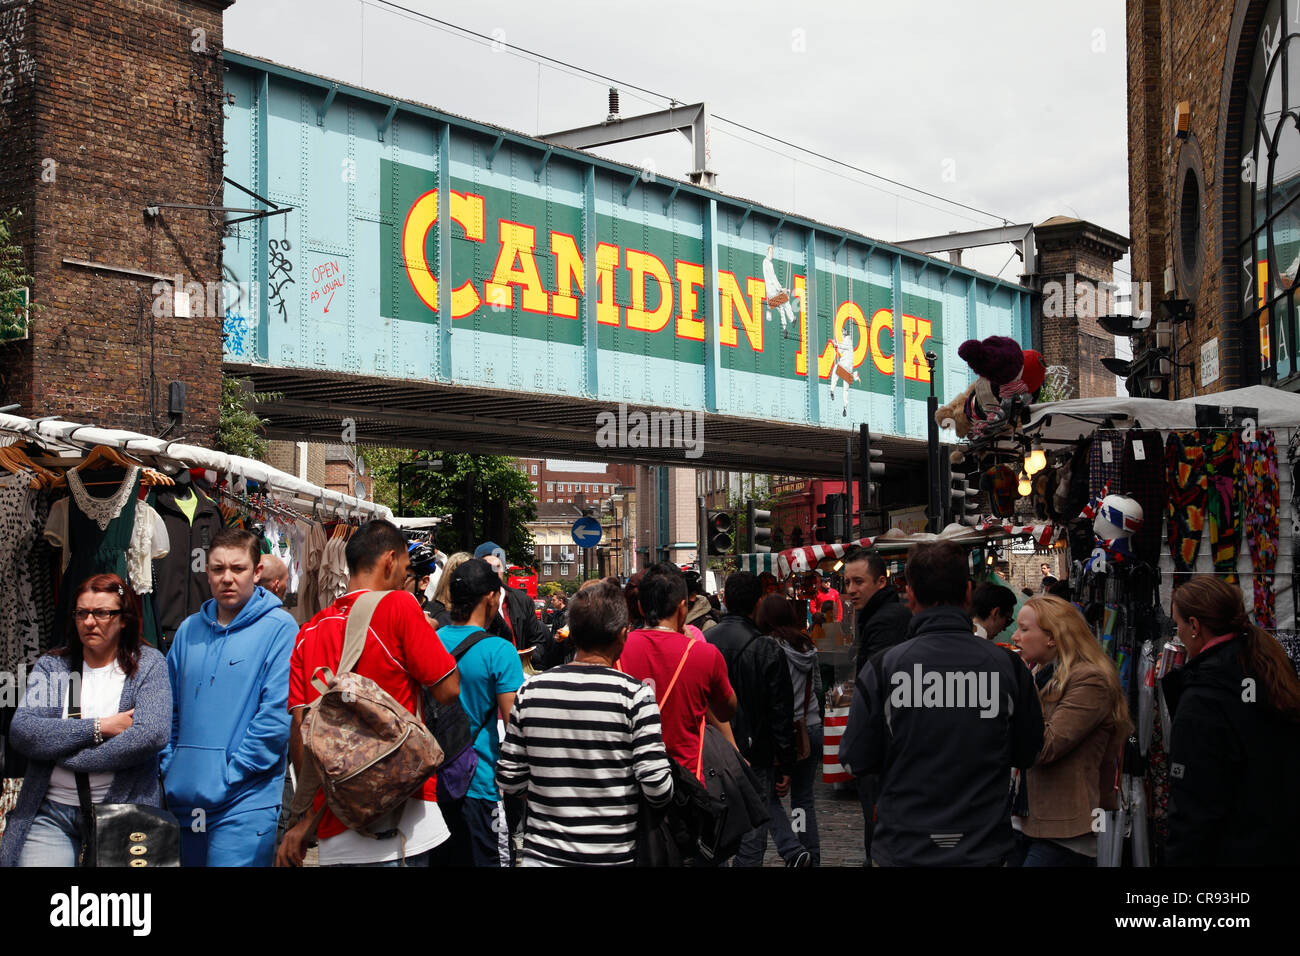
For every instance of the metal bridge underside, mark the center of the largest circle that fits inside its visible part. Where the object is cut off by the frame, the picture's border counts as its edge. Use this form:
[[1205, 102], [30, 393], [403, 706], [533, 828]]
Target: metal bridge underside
[[412, 414]]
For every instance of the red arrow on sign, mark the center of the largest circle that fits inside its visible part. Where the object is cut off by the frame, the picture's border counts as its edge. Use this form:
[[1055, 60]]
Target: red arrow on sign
[[329, 300]]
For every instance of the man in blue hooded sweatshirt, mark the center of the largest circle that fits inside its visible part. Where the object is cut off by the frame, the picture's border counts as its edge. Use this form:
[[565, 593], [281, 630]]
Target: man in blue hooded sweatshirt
[[224, 768]]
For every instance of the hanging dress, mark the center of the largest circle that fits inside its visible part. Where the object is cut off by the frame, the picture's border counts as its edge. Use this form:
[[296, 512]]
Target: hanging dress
[[115, 534]]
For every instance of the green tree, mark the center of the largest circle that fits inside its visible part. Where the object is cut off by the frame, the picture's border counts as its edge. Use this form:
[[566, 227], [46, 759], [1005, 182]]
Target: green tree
[[488, 497], [760, 490], [13, 279], [239, 429]]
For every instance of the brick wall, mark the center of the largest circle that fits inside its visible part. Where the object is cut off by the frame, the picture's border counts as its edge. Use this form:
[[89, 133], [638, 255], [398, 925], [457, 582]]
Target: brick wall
[[1075, 266], [121, 112], [1181, 51]]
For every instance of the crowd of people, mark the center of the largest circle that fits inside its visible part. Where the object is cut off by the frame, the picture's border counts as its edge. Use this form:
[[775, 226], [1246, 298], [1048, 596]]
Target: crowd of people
[[968, 748]]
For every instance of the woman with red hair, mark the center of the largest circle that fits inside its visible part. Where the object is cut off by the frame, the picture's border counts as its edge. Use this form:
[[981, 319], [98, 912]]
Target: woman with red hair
[[1234, 783], [125, 700]]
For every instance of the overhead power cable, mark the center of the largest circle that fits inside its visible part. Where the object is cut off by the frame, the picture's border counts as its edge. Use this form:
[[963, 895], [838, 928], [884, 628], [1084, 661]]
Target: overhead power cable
[[670, 100]]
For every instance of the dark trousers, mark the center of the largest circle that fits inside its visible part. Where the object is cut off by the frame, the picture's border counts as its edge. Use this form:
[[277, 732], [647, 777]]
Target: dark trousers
[[475, 838], [868, 791], [1047, 853]]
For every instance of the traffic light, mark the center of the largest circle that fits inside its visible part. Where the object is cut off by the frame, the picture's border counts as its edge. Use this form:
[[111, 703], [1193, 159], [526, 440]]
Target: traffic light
[[832, 519], [872, 467], [963, 500], [760, 538], [719, 531]]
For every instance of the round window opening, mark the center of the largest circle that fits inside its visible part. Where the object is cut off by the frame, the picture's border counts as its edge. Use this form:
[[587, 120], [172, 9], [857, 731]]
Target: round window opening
[[1189, 225]]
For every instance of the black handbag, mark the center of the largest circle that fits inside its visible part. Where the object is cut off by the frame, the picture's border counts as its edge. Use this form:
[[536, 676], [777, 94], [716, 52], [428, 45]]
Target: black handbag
[[123, 834]]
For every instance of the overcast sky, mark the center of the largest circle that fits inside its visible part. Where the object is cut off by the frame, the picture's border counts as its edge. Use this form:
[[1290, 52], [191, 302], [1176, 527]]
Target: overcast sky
[[1015, 107]]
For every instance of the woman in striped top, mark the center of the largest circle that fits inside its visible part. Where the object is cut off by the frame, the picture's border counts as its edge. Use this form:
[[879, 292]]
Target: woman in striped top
[[584, 743]]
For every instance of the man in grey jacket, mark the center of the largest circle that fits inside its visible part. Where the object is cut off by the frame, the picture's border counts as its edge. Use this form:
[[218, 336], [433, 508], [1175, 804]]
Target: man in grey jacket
[[942, 717]]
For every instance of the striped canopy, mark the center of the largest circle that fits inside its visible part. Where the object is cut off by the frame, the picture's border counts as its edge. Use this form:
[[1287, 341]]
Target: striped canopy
[[800, 560]]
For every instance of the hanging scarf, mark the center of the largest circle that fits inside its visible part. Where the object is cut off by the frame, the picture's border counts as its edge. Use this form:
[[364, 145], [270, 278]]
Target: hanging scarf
[[1258, 464]]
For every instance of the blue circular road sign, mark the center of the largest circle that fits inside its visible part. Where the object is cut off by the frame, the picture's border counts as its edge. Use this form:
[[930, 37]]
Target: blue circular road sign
[[586, 532]]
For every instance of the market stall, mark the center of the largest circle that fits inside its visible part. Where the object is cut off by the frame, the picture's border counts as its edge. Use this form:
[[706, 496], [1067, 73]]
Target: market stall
[[1149, 493], [78, 500]]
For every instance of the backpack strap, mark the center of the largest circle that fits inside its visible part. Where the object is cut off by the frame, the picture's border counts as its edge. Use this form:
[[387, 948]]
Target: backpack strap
[[354, 638], [468, 642], [461, 650]]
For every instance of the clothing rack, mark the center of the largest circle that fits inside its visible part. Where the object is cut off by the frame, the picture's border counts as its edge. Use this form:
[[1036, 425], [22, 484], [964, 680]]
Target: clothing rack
[[71, 440]]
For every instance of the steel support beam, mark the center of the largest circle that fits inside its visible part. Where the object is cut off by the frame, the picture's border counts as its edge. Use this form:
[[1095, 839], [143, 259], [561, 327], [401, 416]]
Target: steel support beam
[[712, 307], [261, 343], [325, 107], [1022, 236], [590, 284], [444, 252], [813, 339], [388, 121], [691, 121], [900, 367]]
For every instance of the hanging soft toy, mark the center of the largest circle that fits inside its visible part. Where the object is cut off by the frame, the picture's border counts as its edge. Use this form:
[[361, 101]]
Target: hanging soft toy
[[1006, 372], [1115, 519]]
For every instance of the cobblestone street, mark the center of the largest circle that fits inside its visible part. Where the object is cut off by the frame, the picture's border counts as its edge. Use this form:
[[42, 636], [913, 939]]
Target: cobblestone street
[[839, 827]]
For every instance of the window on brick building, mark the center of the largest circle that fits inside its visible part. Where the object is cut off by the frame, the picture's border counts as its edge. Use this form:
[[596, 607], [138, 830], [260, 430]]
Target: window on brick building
[[1266, 168]]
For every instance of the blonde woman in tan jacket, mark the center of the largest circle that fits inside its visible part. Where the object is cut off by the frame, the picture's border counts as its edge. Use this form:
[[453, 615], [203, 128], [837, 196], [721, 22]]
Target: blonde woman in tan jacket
[[1085, 721]]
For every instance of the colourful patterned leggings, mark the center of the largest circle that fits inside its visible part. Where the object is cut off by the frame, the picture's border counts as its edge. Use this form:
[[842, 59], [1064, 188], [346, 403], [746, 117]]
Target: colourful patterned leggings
[[1203, 472], [1259, 474], [1188, 487], [1224, 472]]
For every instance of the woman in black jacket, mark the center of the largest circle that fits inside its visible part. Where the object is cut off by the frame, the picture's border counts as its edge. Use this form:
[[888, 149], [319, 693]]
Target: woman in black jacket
[[1234, 781]]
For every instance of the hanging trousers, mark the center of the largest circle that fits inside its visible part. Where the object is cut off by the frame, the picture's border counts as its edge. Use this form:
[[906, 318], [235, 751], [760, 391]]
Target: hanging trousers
[[1188, 489], [1223, 511]]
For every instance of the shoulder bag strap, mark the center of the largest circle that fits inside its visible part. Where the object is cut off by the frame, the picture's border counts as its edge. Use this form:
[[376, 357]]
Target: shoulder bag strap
[[807, 693], [677, 673], [83, 780]]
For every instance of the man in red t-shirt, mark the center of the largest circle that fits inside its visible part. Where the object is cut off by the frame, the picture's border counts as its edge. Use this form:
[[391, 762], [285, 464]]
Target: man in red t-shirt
[[402, 653], [826, 595], [654, 654]]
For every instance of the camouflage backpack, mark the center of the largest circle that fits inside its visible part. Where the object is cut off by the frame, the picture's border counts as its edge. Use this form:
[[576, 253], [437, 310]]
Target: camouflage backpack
[[370, 752]]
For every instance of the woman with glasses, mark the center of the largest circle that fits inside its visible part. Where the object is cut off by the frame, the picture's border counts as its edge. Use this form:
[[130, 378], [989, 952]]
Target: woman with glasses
[[124, 696]]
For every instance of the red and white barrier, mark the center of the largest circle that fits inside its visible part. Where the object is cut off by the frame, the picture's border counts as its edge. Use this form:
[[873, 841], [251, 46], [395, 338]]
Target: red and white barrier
[[833, 723]]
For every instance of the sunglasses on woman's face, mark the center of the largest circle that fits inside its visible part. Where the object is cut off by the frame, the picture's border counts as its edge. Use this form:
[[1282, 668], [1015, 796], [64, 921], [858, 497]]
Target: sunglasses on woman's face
[[100, 614]]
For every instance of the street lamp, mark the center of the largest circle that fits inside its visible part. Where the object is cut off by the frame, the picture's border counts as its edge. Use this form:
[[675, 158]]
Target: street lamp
[[423, 464], [934, 522]]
